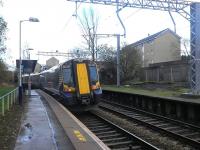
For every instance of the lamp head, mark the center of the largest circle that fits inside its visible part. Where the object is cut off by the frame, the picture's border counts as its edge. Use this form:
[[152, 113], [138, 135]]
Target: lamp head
[[32, 19], [30, 49]]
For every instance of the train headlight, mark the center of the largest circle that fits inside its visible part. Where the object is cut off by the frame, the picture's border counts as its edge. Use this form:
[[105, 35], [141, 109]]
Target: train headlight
[[68, 89], [96, 86]]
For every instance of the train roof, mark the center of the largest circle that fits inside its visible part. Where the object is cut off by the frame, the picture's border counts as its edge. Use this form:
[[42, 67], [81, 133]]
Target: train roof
[[79, 60], [32, 74], [52, 69]]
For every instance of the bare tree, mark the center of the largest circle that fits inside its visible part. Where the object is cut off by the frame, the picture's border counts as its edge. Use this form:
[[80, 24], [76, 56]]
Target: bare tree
[[79, 53], [1, 2], [89, 24], [186, 44], [107, 63], [3, 28], [106, 53], [131, 62]]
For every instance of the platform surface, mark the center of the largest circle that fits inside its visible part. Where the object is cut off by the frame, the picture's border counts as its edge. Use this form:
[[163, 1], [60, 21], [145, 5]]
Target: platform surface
[[79, 135], [40, 130]]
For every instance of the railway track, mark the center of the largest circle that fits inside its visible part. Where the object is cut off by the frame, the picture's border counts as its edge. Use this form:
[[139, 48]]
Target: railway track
[[185, 132], [112, 135]]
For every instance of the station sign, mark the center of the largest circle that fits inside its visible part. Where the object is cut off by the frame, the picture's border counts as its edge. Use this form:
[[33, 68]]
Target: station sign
[[28, 66]]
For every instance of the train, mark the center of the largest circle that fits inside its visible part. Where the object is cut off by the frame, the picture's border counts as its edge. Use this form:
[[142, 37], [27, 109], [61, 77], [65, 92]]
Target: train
[[76, 82]]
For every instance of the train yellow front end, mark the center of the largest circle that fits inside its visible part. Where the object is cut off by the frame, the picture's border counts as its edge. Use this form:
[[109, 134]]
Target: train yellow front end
[[81, 84]]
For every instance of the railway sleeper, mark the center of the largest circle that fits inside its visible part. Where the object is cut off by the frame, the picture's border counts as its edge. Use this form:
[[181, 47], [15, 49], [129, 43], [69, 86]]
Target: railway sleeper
[[156, 122], [150, 120], [163, 125], [138, 118], [172, 128], [120, 144], [91, 121], [197, 139], [109, 136], [132, 114], [146, 118], [192, 134], [179, 130], [129, 148], [101, 129], [94, 124], [128, 113], [182, 132], [106, 133], [114, 139], [101, 126]]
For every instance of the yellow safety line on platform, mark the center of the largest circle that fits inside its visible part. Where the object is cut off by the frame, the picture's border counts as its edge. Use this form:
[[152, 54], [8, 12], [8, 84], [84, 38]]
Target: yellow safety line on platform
[[79, 136]]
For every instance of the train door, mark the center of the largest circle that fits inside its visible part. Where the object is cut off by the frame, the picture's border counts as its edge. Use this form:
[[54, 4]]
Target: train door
[[82, 78]]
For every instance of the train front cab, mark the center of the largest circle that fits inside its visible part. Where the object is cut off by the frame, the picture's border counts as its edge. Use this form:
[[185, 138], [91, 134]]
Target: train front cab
[[81, 84], [88, 83]]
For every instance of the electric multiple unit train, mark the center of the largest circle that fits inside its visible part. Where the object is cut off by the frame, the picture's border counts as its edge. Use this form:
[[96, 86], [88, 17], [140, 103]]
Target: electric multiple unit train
[[75, 81]]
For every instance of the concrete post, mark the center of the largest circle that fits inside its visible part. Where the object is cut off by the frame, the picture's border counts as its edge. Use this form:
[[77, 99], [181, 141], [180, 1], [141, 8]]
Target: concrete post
[[2, 103], [171, 74], [8, 102], [158, 75], [118, 60], [29, 85]]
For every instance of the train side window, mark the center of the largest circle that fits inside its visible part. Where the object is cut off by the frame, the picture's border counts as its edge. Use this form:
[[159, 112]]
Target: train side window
[[93, 73]]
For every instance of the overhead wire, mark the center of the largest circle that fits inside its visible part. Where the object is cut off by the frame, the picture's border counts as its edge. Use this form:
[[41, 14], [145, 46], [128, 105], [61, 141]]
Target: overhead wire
[[68, 21], [135, 12]]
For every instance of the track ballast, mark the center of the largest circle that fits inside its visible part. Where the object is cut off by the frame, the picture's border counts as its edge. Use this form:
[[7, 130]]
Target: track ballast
[[112, 135], [183, 131]]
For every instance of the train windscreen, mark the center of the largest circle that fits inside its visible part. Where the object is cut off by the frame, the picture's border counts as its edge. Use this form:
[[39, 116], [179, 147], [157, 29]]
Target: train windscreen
[[67, 75], [93, 74]]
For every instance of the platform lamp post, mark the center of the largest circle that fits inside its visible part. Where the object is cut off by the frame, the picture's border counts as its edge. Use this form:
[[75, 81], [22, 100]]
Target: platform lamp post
[[31, 19]]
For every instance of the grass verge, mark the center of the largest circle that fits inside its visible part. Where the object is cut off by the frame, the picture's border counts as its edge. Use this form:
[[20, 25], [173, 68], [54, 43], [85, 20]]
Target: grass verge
[[4, 90], [9, 127]]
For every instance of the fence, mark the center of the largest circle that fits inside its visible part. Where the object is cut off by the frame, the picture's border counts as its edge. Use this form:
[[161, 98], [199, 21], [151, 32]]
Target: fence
[[8, 100], [176, 71]]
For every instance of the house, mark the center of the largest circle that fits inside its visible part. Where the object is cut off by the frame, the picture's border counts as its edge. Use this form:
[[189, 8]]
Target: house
[[51, 62], [37, 68], [163, 46]]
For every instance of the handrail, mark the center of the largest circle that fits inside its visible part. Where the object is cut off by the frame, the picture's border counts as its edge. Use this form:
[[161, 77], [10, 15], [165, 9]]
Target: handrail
[[8, 100], [8, 93]]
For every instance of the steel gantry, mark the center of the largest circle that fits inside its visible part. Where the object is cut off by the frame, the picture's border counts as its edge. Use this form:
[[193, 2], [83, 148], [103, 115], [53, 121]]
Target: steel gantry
[[187, 9], [178, 6]]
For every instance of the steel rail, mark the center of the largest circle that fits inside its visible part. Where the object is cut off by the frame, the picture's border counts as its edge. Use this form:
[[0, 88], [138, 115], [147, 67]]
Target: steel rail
[[112, 135], [184, 131]]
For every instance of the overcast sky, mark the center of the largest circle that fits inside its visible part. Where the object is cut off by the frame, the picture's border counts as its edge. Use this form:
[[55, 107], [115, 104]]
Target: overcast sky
[[58, 30]]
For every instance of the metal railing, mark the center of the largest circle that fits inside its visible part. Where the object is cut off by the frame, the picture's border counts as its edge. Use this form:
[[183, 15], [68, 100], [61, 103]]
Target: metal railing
[[8, 100]]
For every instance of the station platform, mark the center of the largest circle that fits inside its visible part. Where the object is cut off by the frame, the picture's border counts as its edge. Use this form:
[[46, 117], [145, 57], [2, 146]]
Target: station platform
[[47, 125], [185, 97], [183, 109]]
